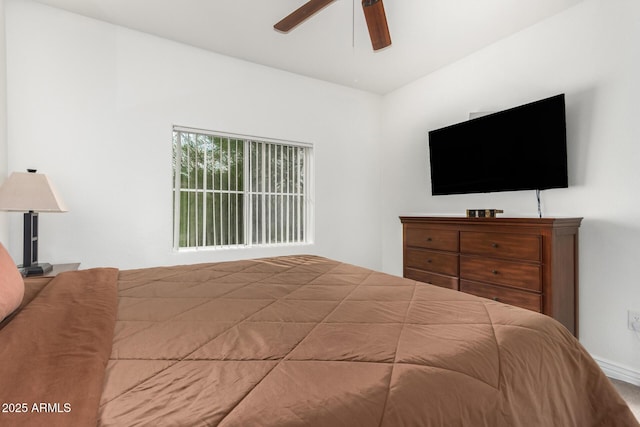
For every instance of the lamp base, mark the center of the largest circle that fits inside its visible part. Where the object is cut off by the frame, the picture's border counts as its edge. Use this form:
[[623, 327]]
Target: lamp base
[[36, 269]]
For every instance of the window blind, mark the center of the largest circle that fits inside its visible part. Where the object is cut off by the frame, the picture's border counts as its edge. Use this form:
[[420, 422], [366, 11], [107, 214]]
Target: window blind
[[232, 190]]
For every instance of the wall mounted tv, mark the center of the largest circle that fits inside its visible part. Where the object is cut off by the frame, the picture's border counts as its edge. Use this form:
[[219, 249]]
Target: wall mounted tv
[[522, 148]]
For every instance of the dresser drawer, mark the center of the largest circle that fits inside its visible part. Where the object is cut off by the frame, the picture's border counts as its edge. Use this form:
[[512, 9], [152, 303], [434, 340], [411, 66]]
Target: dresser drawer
[[429, 238], [448, 282], [514, 274], [522, 299], [501, 245], [436, 262]]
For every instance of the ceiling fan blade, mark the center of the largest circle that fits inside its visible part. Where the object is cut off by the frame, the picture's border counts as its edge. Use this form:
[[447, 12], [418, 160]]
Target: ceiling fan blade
[[302, 13], [376, 23]]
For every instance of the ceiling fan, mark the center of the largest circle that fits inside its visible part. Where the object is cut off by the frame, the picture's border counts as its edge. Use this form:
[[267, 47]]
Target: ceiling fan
[[373, 14]]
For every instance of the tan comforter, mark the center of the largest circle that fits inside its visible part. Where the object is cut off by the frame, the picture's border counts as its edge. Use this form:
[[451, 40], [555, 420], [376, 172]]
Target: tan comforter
[[54, 351], [307, 341]]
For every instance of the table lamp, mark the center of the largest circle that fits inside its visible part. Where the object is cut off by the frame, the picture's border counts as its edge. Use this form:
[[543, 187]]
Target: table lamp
[[30, 192]]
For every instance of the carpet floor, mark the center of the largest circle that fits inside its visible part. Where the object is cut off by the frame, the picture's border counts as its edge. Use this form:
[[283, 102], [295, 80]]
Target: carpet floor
[[631, 394]]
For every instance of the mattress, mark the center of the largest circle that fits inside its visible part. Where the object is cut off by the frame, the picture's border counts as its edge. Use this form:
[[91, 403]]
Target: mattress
[[290, 341]]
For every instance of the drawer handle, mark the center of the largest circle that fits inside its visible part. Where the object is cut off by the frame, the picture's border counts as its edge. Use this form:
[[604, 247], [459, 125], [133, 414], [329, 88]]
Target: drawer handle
[[429, 261], [494, 271], [496, 299], [494, 245], [429, 239]]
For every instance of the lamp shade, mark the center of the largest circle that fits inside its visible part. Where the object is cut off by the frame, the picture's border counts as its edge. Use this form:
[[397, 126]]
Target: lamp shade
[[29, 191]]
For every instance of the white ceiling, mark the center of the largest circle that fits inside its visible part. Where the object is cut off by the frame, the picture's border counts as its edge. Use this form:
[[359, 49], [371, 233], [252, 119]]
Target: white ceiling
[[334, 44]]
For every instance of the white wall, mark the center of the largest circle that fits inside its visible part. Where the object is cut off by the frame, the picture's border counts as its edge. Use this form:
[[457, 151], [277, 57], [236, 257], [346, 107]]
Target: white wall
[[591, 53], [92, 105], [4, 224]]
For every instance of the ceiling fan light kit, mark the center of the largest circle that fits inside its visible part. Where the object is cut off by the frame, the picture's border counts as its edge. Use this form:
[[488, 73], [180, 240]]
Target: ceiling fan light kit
[[376, 23], [373, 14]]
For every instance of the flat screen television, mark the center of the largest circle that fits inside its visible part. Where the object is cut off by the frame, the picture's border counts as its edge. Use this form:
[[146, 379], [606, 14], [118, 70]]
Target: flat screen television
[[522, 148]]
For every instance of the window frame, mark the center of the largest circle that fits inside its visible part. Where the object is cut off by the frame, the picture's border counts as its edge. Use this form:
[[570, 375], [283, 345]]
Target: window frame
[[248, 192]]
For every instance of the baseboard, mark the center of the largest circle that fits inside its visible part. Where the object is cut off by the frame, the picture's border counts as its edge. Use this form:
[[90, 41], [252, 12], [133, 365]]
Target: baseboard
[[613, 370]]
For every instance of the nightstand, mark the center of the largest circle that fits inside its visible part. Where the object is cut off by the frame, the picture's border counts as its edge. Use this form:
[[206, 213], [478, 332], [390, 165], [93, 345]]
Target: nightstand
[[57, 269], [61, 268]]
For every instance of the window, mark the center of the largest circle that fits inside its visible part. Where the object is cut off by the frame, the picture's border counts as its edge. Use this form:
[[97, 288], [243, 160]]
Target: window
[[233, 191]]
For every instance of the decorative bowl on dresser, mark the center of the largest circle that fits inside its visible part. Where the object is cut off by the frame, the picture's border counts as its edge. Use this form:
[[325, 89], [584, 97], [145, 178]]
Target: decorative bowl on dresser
[[527, 262]]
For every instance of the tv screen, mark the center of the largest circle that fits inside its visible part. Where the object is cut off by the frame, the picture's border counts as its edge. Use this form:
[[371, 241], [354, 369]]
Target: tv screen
[[523, 148]]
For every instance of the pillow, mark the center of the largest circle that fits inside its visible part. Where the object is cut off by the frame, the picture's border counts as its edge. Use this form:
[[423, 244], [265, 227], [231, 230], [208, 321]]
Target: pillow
[[11, 284]]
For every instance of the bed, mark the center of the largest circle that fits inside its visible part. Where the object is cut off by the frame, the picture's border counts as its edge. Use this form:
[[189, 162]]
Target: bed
[[288, 341]]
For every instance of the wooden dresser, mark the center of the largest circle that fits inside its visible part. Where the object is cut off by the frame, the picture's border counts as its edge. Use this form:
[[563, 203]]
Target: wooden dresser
[[527, 262]]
